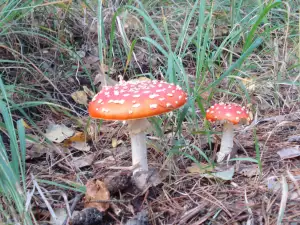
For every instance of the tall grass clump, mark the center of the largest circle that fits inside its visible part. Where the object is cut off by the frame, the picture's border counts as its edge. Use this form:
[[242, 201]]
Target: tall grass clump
[[12, 167]]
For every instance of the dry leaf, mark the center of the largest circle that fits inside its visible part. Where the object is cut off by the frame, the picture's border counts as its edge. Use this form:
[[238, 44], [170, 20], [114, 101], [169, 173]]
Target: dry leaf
[[289, 152], [83, 161], [194, 168], [58, 132], [248, 171], [89, 92], [81, 146], [61, 215], [96, 190], [78, 137], [222, 173], [104, 80], [25, 124], [80, 97], [115, 142]]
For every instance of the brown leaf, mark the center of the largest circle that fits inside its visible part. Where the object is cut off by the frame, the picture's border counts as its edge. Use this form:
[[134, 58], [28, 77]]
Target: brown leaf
[[80, 97], [89, 92], [83, 161], [96, 190], [289, 152]]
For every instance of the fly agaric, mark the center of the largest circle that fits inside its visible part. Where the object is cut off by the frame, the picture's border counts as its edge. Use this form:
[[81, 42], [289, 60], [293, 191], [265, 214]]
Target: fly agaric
[[134, 101], [230, 114]]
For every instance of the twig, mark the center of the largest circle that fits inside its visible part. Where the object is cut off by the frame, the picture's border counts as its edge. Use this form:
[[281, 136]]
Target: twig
[[76, 199]]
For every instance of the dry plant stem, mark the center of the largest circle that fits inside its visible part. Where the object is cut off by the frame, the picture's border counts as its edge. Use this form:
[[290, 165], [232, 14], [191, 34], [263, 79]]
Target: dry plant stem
[[226, 142]]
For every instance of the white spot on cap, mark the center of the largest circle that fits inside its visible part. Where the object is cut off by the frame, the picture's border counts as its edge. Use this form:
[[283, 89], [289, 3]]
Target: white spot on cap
[[133, 101], [106, 93], [105, 110], [168, 104], [161, 99], [237, 118], [100, 101], [180, 97], [176, 102], [238, 112], [116, 92], [207, 111], [136, 96], [97, 109], [136, 105], [169, 94], [153, 96], [173, 91], [178, 87], [130, 112], [153, 106], [228, 114], [146, 92], [125, 95]]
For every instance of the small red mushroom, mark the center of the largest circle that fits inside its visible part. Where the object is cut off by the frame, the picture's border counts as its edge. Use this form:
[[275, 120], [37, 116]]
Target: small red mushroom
[[134, 101], [230, 114]]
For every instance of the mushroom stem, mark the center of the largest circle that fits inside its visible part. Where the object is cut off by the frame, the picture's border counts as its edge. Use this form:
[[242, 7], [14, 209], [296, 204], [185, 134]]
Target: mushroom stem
[[226, 142], [139, 151]]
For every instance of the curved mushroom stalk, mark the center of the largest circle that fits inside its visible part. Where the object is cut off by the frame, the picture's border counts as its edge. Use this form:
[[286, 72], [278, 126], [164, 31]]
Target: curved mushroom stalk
[[227, 141]]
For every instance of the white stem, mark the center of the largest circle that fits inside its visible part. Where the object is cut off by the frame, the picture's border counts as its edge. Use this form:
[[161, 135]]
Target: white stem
[[226, 142], [139, 151]]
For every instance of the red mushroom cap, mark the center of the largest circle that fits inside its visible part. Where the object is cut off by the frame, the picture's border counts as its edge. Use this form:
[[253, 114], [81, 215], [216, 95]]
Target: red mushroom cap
[[230, 112], [136, 99]]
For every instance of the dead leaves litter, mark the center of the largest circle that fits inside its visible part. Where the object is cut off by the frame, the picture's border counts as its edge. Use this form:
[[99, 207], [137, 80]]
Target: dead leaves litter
[[96, 195], [58, 132]]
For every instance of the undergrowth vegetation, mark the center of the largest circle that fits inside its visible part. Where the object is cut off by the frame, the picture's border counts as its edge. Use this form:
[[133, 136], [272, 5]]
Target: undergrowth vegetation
[[245, 52]]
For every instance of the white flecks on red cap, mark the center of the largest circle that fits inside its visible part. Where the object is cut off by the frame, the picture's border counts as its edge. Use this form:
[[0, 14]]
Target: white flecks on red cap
[[230, 112], [136, 99]]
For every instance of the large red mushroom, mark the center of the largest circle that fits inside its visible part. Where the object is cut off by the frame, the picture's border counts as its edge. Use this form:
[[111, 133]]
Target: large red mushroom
[[230, 114], [134, 101]]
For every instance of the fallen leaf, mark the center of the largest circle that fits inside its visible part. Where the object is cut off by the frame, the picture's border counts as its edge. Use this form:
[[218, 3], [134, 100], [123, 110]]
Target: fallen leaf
[[194, 168], [89, 92], [223, 173], [61, 215], [58, 132], [80, 97], [85, 160], [81, 146], [78, 137], [289, 152], [36, 151], [96, 190], [249, 170], [104, 80], [294, 138], [115, 142], [26, 124]]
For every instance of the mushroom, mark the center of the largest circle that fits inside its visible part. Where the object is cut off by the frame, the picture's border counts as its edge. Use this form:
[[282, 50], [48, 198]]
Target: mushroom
[[230, 114], [134, 101]]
